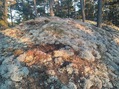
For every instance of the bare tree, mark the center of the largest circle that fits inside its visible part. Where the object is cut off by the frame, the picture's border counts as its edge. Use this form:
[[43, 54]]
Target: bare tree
[[82, 10], [51, 3], [99, 16]]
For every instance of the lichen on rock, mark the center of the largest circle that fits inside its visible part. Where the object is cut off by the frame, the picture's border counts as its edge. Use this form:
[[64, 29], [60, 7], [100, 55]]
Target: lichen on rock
[[55, 53]]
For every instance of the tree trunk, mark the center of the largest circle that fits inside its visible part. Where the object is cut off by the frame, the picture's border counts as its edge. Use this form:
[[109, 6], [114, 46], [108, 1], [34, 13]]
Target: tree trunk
[[68, 8], [35, 8], [51, 8], [5, 11], [11, 16], [82, 10], [61, 6], [99, 16]]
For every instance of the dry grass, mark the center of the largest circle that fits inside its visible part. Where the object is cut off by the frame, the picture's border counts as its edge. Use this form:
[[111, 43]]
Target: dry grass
[[103, 24]]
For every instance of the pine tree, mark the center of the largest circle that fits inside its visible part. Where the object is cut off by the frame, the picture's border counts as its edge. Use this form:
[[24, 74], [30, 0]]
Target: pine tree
[[82, 10], [51, 3], [3, 14], [35, 8], [99, 16]]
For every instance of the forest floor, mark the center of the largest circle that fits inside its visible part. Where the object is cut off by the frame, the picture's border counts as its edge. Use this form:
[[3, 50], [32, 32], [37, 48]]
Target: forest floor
[[55, 53]]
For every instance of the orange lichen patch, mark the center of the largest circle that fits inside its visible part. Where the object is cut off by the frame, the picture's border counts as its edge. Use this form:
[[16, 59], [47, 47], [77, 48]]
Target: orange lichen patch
[[35, 56], [29, 56], [77, 25], [25, 39], [13, 33], [62, 53], [18, 52], [76, 60], [17, 35], [81, 27], [30, 52], [87, 69], [83, 65]]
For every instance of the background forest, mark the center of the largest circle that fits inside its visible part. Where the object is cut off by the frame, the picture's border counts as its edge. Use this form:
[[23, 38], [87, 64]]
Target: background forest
[[16, 11]]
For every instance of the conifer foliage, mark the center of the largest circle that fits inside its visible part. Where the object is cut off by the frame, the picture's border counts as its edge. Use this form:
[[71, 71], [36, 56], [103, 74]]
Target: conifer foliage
[[15, 11]]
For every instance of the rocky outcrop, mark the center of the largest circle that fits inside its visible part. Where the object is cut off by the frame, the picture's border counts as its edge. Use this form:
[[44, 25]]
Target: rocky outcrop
[[55, 53]]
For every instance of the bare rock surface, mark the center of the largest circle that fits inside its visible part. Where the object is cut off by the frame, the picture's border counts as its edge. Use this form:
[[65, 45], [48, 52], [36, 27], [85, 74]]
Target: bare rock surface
[[55, 53]]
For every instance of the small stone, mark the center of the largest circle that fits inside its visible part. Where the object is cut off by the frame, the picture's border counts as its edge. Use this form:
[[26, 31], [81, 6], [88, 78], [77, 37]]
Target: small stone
[[47, 59], [76, 71], [69, 70], [58, 60], [87, 55], [102, 48], [110, 85], [18, 74], [52, 87], [93, 81], [16, 77], [18, 52], [96, 54], [63, 53], [51, 72], [52, 79], [29, 59], [71, 85], [87, 69], [21, 57], [24, 71], [88, 84], [65, 87]]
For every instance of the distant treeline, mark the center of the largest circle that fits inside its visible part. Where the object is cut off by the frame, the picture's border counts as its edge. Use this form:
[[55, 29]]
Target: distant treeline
[[16, 11]]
